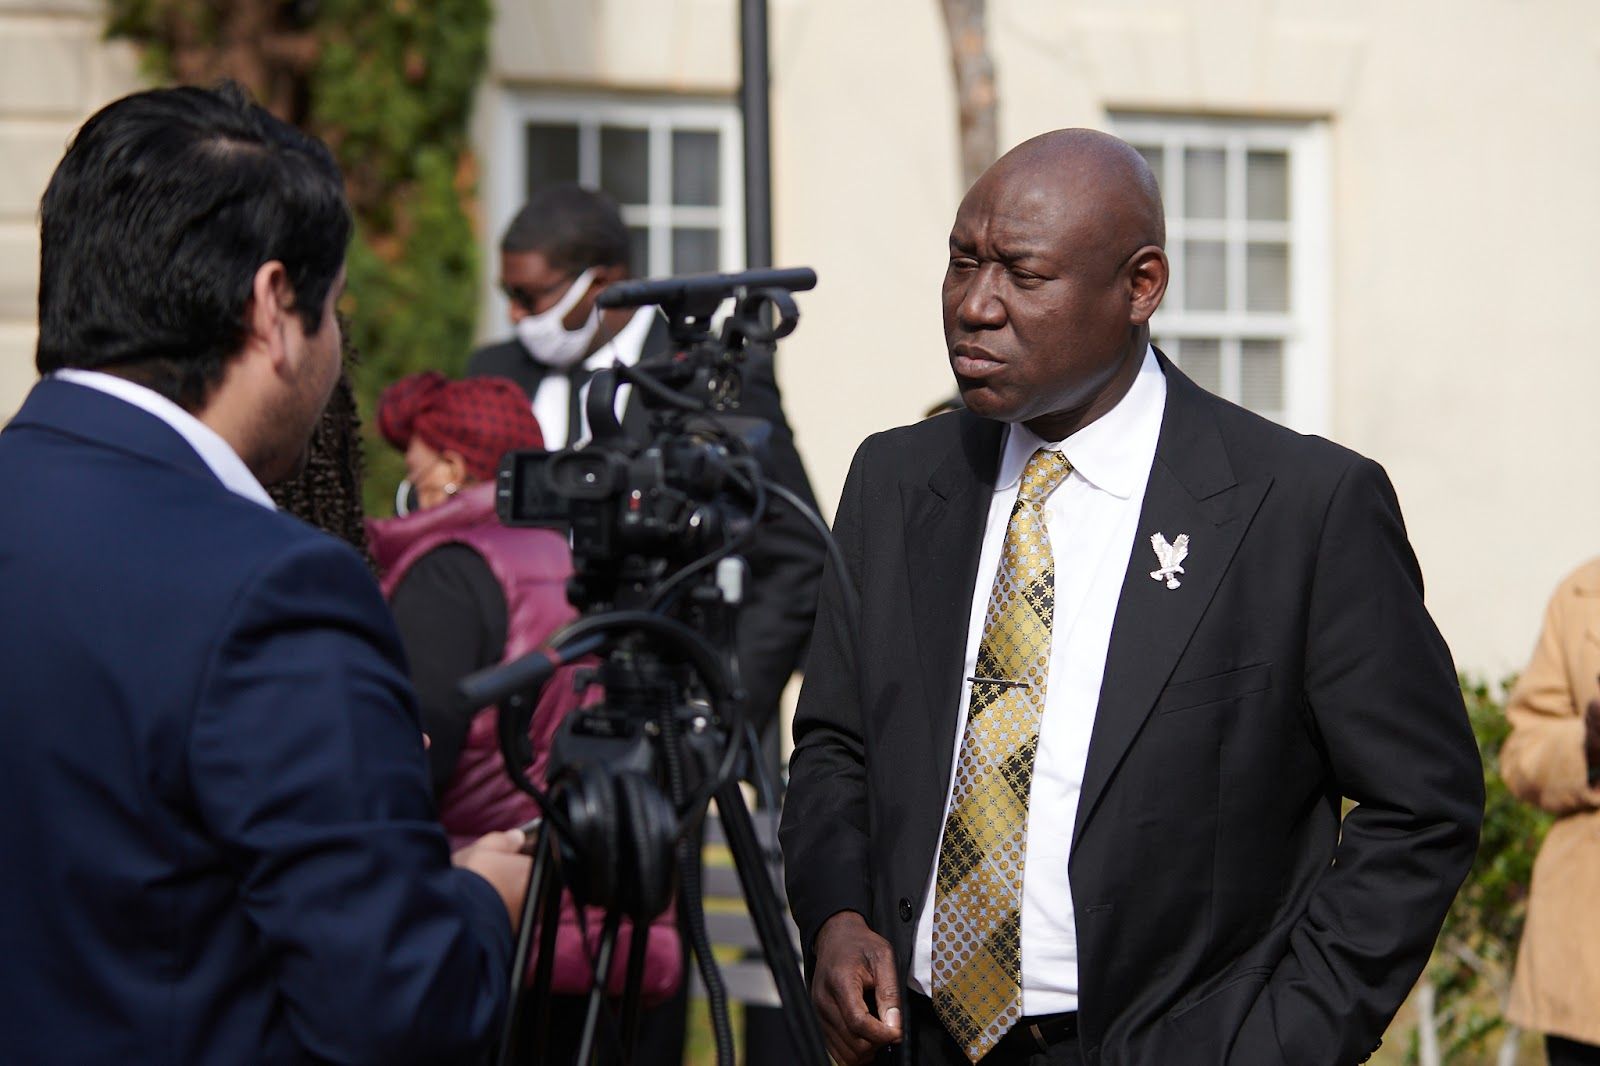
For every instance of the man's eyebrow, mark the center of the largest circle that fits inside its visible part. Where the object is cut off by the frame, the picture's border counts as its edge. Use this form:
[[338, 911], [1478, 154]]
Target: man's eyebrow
[[1015, 253]]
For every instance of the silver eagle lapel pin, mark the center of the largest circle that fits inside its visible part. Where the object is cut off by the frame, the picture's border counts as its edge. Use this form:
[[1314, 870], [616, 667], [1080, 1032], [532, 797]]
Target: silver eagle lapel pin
[[1170, 556]]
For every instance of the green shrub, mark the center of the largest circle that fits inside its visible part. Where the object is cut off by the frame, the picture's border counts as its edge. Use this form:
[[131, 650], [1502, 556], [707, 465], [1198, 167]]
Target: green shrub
[[389, 87], [1471, 966]]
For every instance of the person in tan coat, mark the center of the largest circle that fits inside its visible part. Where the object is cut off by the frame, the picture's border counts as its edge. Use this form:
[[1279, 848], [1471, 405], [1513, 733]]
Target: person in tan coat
[[1552, 759]]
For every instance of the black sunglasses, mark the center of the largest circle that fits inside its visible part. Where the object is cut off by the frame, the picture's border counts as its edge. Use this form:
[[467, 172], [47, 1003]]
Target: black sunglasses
[[528, 299]]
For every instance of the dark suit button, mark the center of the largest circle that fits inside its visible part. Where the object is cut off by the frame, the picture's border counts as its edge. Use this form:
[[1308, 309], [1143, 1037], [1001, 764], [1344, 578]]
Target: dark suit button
[[905, 909]]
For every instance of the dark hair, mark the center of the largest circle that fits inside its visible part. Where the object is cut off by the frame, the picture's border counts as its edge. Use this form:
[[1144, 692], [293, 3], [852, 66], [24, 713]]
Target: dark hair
[[327, 490], [572, 227], [155, 223]]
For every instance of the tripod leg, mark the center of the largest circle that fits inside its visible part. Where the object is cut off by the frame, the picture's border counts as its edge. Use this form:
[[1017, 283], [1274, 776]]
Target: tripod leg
[[541, 883], [544, 968], [597, 995], [633, 990], [767, 914]]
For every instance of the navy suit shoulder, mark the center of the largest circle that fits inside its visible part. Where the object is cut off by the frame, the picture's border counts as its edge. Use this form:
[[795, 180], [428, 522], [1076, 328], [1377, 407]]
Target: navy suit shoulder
[[223, 845]]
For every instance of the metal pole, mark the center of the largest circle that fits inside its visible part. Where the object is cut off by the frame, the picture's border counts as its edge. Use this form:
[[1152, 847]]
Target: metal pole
[[756, 108]]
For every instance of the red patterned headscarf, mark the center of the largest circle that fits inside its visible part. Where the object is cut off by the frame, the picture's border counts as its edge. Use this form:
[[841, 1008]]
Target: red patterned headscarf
[[481, 418]]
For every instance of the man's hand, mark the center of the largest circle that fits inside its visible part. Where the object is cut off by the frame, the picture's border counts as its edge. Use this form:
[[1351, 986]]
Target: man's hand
[[1591, 740], [852, 959], [498, 859]]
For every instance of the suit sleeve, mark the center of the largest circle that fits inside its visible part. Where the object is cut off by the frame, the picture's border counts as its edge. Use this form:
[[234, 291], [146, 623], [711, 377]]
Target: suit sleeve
[[785, 558], [825, 835], [1542, 760], [307, 766], [1383, 695]]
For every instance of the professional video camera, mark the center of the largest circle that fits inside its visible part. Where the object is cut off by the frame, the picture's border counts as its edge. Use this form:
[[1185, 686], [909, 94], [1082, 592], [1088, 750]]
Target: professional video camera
[[657, 522]]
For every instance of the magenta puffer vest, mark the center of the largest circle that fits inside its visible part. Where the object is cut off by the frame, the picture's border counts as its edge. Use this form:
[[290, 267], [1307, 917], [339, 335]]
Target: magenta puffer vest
[[531, 567]]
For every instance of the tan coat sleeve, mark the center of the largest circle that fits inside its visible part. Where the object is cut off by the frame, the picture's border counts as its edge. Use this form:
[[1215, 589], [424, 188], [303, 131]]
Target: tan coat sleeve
[[1542, 760]]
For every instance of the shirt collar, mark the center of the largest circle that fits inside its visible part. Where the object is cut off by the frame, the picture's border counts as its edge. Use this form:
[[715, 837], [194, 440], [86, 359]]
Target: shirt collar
[[215, 452], [1114, 451]]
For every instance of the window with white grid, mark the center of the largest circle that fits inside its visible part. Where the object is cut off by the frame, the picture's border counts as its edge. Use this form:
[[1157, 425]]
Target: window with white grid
[[1247, 312], [672, 165]]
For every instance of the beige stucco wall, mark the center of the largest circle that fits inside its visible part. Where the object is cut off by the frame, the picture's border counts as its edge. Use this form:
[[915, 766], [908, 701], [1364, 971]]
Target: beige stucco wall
[[1465, 148], [54, 72], [1465, 140]]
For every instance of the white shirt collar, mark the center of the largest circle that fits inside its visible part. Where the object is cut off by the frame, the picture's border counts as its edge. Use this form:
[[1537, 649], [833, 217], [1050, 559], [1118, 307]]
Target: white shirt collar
[[1112, 452], [215, 452]]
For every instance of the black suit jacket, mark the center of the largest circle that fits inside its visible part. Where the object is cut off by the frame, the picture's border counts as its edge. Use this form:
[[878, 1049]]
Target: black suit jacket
[[1221, 915], [786, 556]]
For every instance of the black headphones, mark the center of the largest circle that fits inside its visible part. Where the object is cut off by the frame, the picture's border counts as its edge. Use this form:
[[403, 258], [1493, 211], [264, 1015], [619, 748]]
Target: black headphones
[[619, 852]]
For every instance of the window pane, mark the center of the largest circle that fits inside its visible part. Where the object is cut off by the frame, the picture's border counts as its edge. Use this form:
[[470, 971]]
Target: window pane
[[625, 164], [1266, 269], [1205, 277], [639, 251], [1201, 359], [1261, 375], [1155, 156], [696, 168], [552, 154], [694, 251], [1204, 194], [1266, 194]]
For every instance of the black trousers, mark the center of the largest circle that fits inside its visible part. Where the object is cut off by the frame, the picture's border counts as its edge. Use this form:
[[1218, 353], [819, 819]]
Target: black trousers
[[934, 1046], [1563, 1052]]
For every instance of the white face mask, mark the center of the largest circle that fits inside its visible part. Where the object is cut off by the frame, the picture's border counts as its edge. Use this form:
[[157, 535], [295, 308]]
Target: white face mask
[[548, 340]]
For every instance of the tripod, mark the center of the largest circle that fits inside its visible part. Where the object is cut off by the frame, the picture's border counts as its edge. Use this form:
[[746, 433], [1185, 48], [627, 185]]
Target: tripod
[[611, 834]]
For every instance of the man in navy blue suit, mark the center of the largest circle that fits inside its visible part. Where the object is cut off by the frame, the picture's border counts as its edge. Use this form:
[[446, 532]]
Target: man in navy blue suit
[[217, 838]]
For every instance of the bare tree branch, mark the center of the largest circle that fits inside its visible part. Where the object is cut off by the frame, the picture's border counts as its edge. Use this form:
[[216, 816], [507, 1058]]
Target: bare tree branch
[[976, 98]]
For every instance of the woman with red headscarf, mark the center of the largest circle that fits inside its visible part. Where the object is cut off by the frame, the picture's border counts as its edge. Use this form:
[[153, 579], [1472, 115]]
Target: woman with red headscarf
[[467, 593]]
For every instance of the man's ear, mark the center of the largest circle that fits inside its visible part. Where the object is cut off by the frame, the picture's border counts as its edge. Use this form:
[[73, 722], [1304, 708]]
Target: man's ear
[[271, 304], [1147, 281], [608, 275]]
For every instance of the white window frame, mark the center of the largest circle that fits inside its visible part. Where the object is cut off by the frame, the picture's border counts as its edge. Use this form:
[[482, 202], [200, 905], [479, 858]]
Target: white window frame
[[1306, 329], [660, 116]]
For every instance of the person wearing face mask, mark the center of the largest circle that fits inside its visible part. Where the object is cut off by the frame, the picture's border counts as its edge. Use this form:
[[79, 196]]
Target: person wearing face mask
[[466, 593], [559, 253]]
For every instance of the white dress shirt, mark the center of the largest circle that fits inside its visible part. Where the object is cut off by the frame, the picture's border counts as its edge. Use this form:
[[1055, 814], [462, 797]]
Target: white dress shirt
[[552, 398], [1093, 521], [215, 452]]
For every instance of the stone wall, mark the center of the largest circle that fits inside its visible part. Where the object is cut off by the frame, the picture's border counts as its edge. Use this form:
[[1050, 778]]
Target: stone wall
[[55, 70]]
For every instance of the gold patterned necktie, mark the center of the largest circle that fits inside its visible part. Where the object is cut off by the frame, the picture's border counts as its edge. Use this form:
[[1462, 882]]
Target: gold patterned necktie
[[977, 917]]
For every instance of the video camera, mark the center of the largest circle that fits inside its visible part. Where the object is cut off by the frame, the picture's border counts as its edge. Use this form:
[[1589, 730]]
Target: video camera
[[657, 520], [637, 508]]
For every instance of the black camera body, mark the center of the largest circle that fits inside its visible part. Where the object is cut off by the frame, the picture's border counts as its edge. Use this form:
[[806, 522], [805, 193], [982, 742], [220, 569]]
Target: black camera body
[[657, 523], [666, 498], [639, 509]]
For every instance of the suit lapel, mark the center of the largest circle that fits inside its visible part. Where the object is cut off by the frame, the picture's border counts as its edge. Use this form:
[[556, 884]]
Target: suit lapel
[[657, 348], [944, 520], [1191, 490]]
